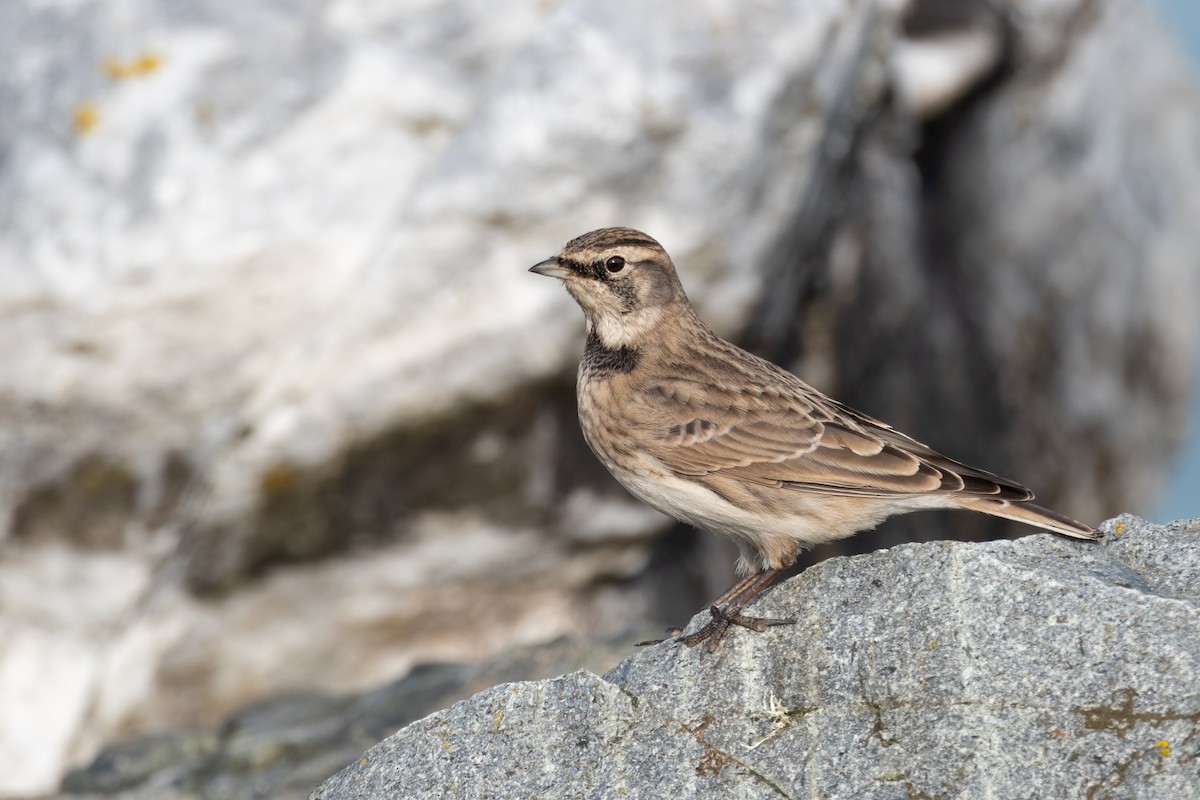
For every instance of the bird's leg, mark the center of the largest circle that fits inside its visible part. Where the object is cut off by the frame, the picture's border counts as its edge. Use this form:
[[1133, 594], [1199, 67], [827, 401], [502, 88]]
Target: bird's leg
[[736, 589], [730, 593], [737, 598]]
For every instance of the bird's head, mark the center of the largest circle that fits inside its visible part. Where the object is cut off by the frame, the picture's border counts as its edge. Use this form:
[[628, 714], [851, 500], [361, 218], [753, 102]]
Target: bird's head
[[624, 281]]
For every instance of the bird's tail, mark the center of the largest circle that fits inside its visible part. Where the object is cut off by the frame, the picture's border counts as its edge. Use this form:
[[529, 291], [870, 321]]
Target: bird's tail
[[1030, 514]]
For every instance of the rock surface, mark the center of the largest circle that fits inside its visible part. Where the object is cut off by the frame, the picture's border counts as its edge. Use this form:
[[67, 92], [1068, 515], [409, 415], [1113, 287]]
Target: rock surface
[[282, 409], [933, 670]]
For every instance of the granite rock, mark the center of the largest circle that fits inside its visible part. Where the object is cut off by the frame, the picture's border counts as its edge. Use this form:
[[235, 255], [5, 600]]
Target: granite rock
[[928, 670]]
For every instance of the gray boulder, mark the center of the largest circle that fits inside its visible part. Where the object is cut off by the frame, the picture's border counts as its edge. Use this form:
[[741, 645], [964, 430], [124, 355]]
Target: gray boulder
[[1029, 668]]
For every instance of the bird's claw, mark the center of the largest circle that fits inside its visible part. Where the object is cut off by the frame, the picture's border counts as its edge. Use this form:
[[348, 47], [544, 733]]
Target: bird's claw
[[719, 625], [673, 633]]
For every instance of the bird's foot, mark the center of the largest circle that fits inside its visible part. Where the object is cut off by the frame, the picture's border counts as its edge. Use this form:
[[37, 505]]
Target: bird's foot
[[672, 634], [726, 611], [720, 623]]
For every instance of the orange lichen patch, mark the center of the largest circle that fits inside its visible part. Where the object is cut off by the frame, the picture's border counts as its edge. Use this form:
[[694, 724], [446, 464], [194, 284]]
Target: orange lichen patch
[[1164, 747], [137, 67], [84, 117], [1119, 530], [713, 762], [1121, 717], [90, 506], [278, 479]]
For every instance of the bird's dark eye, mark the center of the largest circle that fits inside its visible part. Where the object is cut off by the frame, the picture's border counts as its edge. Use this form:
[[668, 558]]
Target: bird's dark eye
[[615, 264]]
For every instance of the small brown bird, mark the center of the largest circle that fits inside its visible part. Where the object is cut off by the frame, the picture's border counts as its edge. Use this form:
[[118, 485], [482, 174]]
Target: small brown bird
[[720, 439]]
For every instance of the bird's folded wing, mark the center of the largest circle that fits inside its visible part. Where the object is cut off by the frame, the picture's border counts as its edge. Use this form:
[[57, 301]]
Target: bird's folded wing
[[772, 441]]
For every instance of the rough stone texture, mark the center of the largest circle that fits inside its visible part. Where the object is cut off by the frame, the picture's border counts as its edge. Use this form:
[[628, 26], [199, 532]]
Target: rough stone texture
[[929, 670], [282, 411]]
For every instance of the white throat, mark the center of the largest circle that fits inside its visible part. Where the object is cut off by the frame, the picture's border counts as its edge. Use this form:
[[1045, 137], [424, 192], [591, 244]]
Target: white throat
[[626, 330]]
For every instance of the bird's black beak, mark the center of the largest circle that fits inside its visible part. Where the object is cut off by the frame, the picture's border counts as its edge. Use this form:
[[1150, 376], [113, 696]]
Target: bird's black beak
[[551, 268]]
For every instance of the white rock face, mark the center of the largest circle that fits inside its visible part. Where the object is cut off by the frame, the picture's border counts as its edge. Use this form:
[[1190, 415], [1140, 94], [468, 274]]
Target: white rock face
[[237, 238], [260, 253]]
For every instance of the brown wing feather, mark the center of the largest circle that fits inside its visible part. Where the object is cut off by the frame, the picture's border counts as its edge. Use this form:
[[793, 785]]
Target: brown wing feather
[[799, 440], [975, 481]]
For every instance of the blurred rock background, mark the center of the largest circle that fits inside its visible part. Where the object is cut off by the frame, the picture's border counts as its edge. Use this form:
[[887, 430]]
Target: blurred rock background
[[1182, 498], [282, 411]]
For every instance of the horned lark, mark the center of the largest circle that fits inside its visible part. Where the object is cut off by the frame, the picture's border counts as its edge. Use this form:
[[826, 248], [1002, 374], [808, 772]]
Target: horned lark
[[723, 440]]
